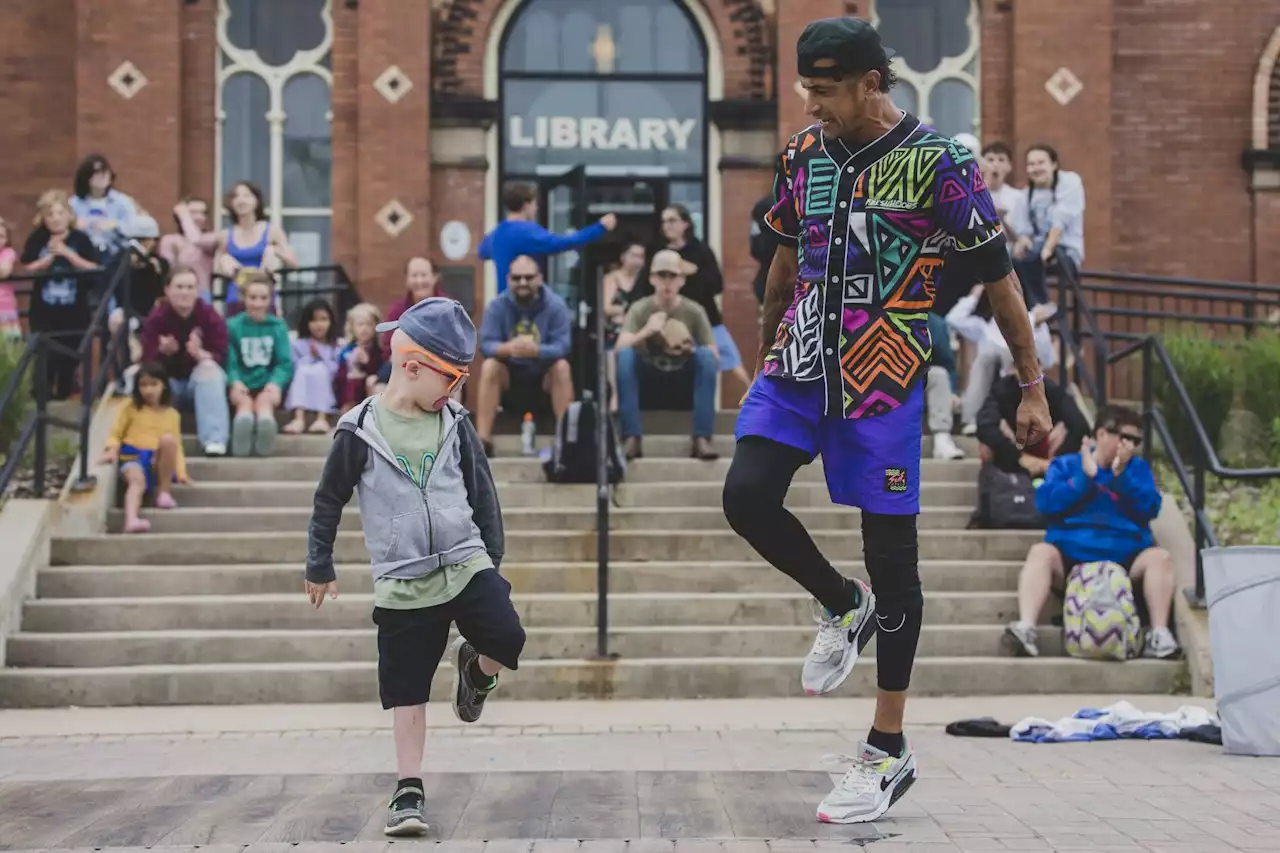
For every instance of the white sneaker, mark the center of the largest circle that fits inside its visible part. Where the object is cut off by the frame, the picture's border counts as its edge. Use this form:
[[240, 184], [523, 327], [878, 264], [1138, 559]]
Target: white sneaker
[[215, 448], [1160, 644], [944, 447], [969, 429], [873, 784], [839, 642]]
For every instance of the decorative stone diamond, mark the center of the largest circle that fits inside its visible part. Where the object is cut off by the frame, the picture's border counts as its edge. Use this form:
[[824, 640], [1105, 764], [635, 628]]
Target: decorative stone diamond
[[393, 84], [127, 80], [394, 217], [1063, 86]]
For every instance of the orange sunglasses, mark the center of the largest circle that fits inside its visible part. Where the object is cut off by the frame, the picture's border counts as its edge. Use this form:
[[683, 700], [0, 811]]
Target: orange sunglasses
[[456, 374]]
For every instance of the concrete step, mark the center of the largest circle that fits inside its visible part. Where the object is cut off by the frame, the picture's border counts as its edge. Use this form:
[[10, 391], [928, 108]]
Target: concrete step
[[134, 581], [158, 648], [299, 493], [655, 446], [659, 519], [537, 610], [522, 546], [521, 470], [627, 678]]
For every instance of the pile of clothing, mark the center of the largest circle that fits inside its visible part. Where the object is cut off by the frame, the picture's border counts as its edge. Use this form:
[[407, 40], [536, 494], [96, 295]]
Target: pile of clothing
[[1121, 720]]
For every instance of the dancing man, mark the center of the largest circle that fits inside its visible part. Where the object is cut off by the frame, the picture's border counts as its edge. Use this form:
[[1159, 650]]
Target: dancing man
[[870, 205]]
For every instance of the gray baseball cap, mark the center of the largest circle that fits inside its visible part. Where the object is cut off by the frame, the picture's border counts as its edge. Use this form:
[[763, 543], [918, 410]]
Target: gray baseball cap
[[440, 326]]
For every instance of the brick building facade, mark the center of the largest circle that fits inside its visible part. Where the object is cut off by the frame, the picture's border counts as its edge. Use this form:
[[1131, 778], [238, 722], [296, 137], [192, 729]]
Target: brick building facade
[[1169, 110]]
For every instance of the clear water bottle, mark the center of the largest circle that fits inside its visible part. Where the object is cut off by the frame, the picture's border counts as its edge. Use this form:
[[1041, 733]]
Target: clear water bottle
[[528, 436]]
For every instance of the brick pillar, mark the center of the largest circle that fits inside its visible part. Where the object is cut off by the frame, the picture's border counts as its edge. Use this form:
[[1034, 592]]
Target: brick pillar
[[199, 101], [1265, 182], [394, 155], [140, 135], [792, 17], [740, 189], [37, 138], [996, 60], [1078, 129]]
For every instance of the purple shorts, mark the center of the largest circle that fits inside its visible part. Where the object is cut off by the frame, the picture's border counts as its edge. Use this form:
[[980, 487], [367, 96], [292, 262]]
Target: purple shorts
[[872, 463]]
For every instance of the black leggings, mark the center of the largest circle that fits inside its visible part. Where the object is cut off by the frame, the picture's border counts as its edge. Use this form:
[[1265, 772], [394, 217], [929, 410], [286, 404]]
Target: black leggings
[[754, 489]]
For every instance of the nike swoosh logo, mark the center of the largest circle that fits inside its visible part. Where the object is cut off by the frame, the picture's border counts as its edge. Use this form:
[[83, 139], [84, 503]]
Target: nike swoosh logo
[[889, 780]]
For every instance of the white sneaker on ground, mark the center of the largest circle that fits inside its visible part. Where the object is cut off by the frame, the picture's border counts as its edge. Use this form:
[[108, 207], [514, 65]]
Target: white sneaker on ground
[[215, 448], [944, 447], [969, 429], [1020, 639], [1160, 644], [874, 783], [839, 642]]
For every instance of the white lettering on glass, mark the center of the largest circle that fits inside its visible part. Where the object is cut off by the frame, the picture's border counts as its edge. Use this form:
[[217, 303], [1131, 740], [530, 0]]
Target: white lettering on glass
[[568, 132]]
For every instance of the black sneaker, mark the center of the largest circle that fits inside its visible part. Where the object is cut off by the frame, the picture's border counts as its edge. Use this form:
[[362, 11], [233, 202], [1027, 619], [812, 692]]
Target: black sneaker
[[468, 699], [405, 813]]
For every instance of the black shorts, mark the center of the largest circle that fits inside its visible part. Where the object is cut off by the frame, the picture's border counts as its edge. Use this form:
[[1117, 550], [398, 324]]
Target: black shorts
[[1123, 561], [525, 392], [412, 642]]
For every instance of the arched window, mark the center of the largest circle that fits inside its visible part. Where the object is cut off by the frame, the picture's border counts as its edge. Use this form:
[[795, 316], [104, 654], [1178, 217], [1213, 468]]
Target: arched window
[[937, 63], [651, 37], [618, 85], [274, 95]]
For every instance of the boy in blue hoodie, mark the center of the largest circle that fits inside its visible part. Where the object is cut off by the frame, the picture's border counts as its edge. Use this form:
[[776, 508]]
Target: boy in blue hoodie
[[1099, 505], [433, 529], [526, 336], [520, 234]]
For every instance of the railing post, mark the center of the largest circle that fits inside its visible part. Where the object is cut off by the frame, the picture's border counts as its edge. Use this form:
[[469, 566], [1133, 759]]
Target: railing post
[[1200, 532], [1148, 398], [602, 477], [1063, 331], [41, 388]]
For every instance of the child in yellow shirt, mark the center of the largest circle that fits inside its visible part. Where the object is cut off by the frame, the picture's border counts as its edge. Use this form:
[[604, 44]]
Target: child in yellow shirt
[[147, 442]]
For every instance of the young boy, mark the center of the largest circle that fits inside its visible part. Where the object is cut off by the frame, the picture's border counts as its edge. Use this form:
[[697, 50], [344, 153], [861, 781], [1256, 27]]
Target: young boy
[[433, 528]]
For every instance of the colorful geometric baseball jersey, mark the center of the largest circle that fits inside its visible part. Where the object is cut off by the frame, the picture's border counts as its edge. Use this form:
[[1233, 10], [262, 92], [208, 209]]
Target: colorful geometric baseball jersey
[[873, 230]]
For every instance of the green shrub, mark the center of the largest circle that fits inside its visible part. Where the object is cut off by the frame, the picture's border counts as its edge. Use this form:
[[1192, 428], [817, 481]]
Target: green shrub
[[1260, 376], [12, 416], [1207, 369]]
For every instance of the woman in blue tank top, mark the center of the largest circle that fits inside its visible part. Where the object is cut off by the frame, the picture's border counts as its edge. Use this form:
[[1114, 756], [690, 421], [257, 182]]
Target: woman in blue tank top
[[251, 243]]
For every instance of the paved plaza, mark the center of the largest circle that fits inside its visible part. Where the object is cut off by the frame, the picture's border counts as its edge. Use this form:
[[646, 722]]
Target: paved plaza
[[610, 777]]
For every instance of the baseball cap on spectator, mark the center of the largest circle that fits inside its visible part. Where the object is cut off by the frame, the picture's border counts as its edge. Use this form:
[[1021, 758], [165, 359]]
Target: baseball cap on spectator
[[143, 227], [669, 260], [852, 44], [440, 326]]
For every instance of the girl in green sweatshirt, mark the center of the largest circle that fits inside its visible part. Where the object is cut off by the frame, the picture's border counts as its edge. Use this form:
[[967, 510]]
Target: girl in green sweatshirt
[[259, 367]]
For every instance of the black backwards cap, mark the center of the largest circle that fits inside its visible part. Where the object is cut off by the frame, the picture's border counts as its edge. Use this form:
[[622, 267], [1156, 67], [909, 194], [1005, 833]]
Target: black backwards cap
[[853, 44]]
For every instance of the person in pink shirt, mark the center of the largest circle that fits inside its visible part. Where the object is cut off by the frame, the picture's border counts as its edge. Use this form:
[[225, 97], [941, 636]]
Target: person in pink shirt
[[193, 245], [10, 325]]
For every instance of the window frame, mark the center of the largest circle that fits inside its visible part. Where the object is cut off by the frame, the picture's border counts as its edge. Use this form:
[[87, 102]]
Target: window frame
[[950, 68], [231, 60]]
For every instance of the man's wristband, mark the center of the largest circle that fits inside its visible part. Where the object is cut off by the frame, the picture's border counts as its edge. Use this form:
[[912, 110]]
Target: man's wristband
[[1033, 383]]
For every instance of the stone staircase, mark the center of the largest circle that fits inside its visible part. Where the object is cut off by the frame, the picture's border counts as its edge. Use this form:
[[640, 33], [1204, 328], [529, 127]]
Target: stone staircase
[[209, 607]]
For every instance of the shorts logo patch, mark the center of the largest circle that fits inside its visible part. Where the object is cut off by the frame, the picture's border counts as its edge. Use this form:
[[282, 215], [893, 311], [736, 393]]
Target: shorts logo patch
[[895, 479]]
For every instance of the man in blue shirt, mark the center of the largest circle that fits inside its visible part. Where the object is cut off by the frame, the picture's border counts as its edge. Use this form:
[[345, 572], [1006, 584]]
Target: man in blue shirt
[[520, 234], [525, 336], [1099, 504]]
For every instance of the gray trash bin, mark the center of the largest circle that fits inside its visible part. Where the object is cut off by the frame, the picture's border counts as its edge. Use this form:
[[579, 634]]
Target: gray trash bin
[[1242, 590]]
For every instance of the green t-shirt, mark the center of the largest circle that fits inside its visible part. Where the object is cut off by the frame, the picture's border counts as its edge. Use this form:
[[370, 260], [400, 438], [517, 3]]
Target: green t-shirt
[[258, 352], [415, 441], [654, 350]]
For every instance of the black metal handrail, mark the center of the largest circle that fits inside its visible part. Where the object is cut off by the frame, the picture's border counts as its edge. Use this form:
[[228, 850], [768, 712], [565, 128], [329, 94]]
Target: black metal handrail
[[342, 287], [34, 361], [1250, 296], [1190, 477], [1070, 333]]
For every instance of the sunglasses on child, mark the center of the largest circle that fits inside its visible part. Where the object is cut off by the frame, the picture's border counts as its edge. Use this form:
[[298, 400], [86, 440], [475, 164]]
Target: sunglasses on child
[[1133, 440], [456, 375]]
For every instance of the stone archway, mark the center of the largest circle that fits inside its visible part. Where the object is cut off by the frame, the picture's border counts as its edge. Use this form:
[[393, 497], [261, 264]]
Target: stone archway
[[1266, 97], [462, 30]]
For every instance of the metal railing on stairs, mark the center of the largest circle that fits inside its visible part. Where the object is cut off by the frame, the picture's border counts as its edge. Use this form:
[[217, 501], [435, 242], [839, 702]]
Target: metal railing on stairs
[[1256, 301], [32, 376]]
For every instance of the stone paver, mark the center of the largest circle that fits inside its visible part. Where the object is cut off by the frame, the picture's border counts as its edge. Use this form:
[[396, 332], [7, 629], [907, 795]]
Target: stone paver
[[734, 780]]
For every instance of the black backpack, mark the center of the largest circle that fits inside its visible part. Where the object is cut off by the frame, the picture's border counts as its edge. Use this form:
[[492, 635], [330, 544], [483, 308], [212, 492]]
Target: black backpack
[[573, 458], [1006, 501]]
